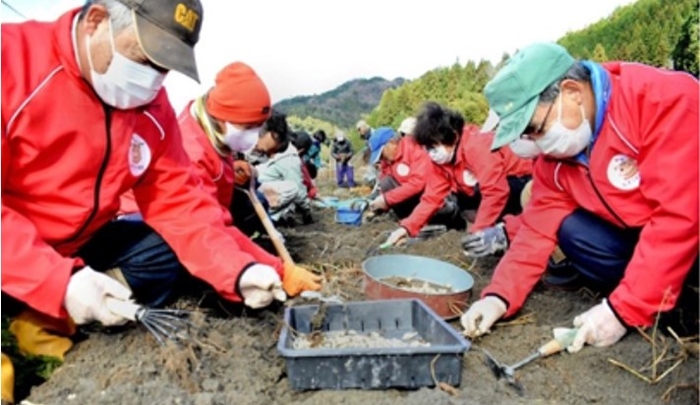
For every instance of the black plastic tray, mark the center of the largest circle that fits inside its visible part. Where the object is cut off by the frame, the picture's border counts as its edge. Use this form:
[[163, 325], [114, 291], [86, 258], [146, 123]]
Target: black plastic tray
[[372, 368]]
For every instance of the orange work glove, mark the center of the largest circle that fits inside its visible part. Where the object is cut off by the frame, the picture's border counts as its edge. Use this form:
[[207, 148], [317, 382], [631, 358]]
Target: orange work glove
[[242, 172], [297, 279]]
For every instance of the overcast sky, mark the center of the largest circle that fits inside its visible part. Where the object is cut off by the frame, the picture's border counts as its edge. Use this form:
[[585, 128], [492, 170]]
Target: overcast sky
[[305, 47]]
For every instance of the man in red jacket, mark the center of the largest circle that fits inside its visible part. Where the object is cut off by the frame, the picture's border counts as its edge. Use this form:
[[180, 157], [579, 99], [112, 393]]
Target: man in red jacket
[[215, 126], [616, 186], [85, 119], [485, 181]]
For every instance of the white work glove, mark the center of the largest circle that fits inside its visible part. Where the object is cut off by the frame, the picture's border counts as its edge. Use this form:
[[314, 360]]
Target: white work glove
[[485, 242], [378, 204], [598, 327], [482, 315], [86, 296], [396, 237], [260, 284]]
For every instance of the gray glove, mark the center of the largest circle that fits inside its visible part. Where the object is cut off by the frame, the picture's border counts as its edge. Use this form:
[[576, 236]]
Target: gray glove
[[485, 242]]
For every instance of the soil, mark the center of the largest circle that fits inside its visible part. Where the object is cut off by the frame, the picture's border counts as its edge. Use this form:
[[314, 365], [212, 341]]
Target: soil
[[234, 358]]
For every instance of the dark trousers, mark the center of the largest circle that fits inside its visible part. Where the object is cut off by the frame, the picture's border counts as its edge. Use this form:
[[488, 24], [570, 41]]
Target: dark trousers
[[447, 215], [597, 249], [148, 264], [600, 252], [404, 208], [513, 206], [244, 216]]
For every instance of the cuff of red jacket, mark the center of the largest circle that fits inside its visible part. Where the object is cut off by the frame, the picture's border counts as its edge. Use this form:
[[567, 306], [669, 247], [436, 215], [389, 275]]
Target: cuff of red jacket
[[617, 315], [238, 296], [410, 228]]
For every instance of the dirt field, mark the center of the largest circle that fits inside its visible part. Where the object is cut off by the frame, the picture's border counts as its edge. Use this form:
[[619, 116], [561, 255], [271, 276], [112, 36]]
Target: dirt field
[[235, 359]]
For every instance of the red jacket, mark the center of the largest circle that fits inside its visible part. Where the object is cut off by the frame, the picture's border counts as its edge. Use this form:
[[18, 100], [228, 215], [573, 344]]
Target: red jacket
[[410, 168], [474, 163], [66, 159], [311, 190], [213, 170], [652, 123]]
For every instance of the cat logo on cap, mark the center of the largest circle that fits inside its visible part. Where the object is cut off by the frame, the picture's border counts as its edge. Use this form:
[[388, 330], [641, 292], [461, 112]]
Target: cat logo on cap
[[469, 179], [403, 170], [139, 155], [623, 173], [186, 17]]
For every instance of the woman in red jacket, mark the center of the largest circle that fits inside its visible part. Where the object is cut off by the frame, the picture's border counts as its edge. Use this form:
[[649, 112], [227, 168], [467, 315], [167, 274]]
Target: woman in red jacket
[[462, 162]]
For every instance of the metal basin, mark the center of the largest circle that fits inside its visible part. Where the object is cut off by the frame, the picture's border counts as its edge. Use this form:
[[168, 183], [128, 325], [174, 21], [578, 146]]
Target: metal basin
[[378, 270]]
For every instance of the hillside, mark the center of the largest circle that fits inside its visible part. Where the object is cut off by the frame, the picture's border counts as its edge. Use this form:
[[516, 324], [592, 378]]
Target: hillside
[[648, 31], [656, 32], [342, 106]]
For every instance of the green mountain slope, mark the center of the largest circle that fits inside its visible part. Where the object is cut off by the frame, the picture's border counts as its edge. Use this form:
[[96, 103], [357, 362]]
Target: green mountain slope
[[342, 106]]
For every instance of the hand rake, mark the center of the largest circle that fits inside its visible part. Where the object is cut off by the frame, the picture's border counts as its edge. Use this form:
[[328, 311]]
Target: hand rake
[[164, 324]]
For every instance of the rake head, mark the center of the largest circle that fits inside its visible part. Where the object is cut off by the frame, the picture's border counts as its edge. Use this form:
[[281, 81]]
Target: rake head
[[166, 324]]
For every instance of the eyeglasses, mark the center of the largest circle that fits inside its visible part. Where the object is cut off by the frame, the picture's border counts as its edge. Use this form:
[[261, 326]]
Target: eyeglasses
[[530, 129]]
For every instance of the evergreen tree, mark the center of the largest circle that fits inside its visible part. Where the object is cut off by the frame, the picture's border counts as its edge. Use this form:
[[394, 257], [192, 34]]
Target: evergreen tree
[[599, 54], [686, 53]]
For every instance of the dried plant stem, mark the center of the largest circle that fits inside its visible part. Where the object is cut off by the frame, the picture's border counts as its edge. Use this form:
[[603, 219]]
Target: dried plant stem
[[659, 351], [521, 320], [667, 394], [630, 370]]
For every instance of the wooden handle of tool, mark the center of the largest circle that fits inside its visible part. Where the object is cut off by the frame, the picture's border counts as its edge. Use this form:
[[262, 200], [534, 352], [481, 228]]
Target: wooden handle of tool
[[269, 227], [127, 309], [558, 344]]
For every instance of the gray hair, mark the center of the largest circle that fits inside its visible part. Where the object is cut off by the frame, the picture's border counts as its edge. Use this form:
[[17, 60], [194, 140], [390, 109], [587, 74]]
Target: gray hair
[[119, 14], [576, 72]]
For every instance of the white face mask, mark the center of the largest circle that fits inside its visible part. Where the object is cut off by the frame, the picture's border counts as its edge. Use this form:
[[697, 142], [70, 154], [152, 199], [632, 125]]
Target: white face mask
[[439, 155], [525, 148], [126, 84], [241, 140], [562, 142]]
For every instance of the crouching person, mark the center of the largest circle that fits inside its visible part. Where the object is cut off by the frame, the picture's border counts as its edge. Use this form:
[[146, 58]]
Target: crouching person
[[403, 169], [612, 187], [63, 174], [487, 183], [280, 175]]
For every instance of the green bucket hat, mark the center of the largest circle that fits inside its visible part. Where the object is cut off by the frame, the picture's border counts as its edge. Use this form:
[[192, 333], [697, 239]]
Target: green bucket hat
[[514, 92]]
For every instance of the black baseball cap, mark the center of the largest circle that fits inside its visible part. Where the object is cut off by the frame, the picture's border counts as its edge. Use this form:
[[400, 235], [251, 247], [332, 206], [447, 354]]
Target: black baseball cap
[[168, 31]]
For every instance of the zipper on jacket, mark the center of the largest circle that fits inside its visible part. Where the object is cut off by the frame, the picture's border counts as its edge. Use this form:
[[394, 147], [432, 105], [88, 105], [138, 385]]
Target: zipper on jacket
[[605, 203], [100, 174]]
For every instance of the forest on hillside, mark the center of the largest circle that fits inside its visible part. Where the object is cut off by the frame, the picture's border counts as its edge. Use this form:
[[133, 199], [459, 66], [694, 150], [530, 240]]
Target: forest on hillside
[[661, 33]]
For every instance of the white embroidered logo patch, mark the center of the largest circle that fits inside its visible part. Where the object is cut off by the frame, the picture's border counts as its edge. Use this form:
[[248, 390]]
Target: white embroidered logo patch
[[623, 173], [469, 179], [139, 155], [403, 170]]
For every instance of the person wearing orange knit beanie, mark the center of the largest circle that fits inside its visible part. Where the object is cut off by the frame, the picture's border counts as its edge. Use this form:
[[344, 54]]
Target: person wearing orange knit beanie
[[216, 127]]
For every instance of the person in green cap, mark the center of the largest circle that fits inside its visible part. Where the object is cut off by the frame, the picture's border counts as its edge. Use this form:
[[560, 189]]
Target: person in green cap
[[615, 185]]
